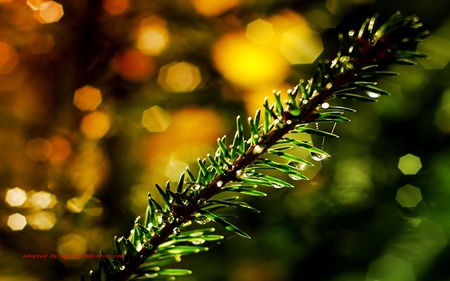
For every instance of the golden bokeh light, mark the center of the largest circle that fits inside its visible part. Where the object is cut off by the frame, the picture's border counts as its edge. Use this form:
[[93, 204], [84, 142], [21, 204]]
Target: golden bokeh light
[[9, 58], [43, 200], [35, 5], [152, 36], [16, 222], [182, 136], [38, 149], [156, 119], [88, 169], [259, 31], [179, 77], [43, 220], [40, 43], [71, 249], [15, 13], [301, 45], [133, 65], [174, 169], [49, 12], [95, 125], [213, 8], [61, 149], [248, 65], [408, 196], [15, 197], [87, 98], [116, 7], [409, 164], [76, 205]]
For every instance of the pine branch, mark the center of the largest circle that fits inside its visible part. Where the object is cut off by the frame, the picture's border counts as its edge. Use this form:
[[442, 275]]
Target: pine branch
[[239, 166]]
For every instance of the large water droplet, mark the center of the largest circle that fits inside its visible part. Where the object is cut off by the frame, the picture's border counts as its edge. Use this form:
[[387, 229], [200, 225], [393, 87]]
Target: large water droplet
[[294, 177], [325, 105], [318, 156], [373, 95], [176, 231], [202, 219], [258, 149], [277, 186], [198, 241], [219, 183], [297, 165]]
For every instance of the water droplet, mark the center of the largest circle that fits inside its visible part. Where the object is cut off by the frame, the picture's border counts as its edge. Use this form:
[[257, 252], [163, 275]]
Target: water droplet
[[176, 231], [198, 241], [329, 86], [239, 173], [168, 217], [197, 187], [304, 101], [294, 177], [258, 149], [317, 156], [202, 219], [119, 267], [325, 105], [289, 122], [351, 33], [289, 91], [219, 183], [373, 95], [297, 165], [277, 186], [179, 219], [256, 136]]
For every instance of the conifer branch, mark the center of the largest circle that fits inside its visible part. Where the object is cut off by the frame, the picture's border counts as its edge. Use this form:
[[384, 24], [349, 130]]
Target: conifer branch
[[362, 59]]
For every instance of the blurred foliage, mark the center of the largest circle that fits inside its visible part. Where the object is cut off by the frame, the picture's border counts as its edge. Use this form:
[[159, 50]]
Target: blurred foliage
[[101, 99]]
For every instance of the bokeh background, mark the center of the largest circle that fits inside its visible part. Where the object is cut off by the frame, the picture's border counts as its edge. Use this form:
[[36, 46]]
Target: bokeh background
[[101, 99]]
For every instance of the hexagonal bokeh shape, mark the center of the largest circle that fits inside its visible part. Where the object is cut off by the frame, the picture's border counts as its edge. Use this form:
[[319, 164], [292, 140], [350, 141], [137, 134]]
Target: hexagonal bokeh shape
[[49, 12], [16, 222], [179, 77], [156, 119], [9, 59], [259, 31], [87, 98], [301, 45], [408, 196], [409, 164], [15, 197]]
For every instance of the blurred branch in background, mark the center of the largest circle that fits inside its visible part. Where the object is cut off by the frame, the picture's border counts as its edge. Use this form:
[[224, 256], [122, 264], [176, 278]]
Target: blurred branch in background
[[102, 99]]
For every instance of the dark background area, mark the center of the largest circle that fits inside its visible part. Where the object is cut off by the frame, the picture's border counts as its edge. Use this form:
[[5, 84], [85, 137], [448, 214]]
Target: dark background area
[[75, 169]]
